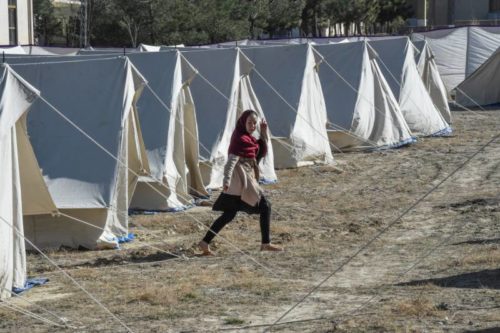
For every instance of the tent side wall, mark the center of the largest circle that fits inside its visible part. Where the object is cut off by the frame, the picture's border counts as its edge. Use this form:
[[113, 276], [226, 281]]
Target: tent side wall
[[397, 61], [432, 80], [391, 129], [482, 43], [309, 131], [374, 114], [171, 135], [460, 51], [347, 81], [12, 257], [450, 49], [292, 101], [16, 97], [242, 97], [481, 88], [221, 92], [85, 181]]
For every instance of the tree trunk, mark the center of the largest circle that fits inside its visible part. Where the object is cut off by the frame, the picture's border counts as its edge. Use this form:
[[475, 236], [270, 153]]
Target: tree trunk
[[347, 27], [252, 28]]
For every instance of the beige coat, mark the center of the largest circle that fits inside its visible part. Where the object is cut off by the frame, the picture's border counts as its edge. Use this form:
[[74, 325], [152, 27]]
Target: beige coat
[[241, 177]]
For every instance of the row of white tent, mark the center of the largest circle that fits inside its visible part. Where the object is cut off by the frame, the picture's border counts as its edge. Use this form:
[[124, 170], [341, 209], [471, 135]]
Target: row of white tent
[[460, 51], [147, 131], [458, 54], [468, 61]]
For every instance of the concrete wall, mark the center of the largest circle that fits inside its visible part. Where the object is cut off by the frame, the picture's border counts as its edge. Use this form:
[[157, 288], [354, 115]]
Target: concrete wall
[[4, 23], [24, 22], [471, 10], [439, 12], [449, 12]]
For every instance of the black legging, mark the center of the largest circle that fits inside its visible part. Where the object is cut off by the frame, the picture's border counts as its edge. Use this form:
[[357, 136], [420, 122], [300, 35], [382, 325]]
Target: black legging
[[263, 208]]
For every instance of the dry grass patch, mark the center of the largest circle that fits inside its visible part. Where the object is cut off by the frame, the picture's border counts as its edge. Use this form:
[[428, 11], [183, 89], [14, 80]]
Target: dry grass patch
[[167, 296], [370, 324], [7, 314], [249, 281], [417, 307], [487, 256], [87, 274], [491, 316], [180, 288]]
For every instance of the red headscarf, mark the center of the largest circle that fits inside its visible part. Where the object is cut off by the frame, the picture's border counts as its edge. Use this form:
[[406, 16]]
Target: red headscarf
[[243, 144]]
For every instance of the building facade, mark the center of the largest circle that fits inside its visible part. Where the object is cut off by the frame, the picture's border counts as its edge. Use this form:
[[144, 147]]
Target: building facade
[[16, 22], [438, 13]]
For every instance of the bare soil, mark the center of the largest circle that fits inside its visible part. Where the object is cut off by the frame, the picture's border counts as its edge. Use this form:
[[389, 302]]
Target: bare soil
[[435, 269]]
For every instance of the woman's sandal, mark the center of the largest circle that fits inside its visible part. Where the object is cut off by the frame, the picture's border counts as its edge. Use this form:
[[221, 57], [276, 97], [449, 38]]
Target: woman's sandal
[[205, 249], [271, 247]]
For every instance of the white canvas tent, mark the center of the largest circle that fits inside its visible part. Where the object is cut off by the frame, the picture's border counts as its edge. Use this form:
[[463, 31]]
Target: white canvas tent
[[170, 138], [397, 61], [148, 48], [168, 121], [49, 50], [460, 51], [286, 81], [433, 82], [155, 48], [362, 111], [221, 92], [22, 189], [12, 50], [483, 86], [84, 181]]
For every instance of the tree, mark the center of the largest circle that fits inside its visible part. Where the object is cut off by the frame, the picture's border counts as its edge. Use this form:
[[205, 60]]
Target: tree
[[337, 11], [284, 15], [314, 17], [103, 26], [393, 14], [176, 23], [257, 15], [357, 14], [46, 24], [221, 20], [133, 15]]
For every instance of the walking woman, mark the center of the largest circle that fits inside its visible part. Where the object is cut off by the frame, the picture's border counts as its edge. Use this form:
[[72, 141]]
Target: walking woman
[[241, 190]]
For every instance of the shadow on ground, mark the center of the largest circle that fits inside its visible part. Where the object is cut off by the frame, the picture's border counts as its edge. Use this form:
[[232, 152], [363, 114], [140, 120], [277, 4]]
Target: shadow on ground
[[130, 258], [489, 279], [479, 241], [486, 330]]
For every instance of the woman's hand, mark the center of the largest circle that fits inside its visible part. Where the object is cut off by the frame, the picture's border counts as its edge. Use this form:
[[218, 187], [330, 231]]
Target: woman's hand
[[263, 129], [225, 188]]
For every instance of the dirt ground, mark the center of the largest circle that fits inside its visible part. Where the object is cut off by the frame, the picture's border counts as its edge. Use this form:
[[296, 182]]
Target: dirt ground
[[437, 269]]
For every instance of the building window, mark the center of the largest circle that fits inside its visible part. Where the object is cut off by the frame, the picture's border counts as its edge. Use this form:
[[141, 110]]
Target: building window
[[494, 6], [12, 6]]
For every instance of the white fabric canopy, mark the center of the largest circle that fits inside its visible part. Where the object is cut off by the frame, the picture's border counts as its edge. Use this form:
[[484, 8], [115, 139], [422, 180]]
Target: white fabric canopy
[[460, 51], [170, 138], [286, 82], [433, 82], [85, 182], [22, 189], [223, 74], [12, 50], [482, 87], [358, 99], [397, 61], [148, 48], [168, 121], [48, 50]]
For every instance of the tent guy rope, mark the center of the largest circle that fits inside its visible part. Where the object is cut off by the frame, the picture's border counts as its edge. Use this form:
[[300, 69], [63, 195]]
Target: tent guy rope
[[381, 232]]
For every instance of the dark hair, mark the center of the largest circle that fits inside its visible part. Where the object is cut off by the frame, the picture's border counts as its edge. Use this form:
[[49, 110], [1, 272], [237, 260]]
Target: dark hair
[[250, 112]]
